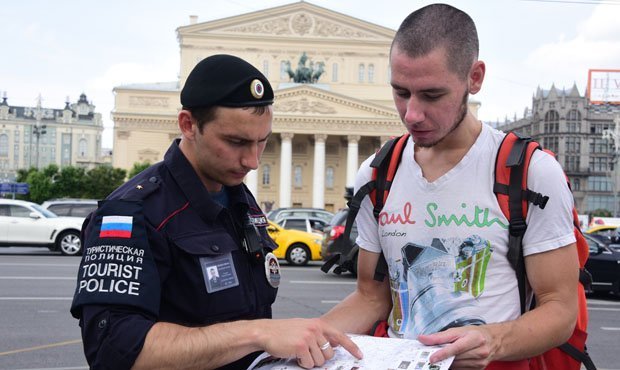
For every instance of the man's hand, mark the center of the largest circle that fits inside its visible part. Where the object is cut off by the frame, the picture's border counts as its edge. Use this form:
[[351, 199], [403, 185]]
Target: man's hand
[[310, 341], [472, 346]]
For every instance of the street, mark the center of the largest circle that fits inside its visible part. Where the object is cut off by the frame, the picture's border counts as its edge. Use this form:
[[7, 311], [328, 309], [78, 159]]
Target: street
[[36, 288]]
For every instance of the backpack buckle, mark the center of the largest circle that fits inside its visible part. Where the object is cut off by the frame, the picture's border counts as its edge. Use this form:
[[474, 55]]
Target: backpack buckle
[[517, 227]]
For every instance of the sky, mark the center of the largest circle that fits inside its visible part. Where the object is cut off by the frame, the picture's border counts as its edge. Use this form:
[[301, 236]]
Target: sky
[[62, 48]]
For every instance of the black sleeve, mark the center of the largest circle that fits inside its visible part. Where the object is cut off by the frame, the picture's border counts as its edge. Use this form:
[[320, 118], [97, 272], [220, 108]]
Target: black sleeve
[[113, 336]]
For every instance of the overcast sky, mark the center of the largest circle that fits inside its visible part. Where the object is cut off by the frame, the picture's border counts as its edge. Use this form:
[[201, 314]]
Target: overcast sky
[[63, 48]]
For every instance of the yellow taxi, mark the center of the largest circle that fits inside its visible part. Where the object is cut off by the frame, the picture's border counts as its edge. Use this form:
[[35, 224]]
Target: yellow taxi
[[297, 247], [604, 233]]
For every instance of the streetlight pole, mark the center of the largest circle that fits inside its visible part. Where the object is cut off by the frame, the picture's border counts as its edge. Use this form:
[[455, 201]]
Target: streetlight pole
[[38, 128]]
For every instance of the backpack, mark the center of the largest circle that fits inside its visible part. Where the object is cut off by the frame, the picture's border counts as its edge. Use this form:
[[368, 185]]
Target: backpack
[[514, 197]]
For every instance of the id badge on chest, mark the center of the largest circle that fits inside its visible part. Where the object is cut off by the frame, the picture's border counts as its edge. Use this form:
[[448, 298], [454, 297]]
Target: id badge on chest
[[219, 272]]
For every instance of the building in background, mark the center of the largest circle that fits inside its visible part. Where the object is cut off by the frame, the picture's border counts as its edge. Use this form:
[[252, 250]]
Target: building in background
[[584, 132], [333, 103], [38, 136]]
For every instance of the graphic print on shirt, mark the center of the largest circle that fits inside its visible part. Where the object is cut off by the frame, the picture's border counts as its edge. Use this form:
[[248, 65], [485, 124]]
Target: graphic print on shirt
[[435, 283], [428, 281]]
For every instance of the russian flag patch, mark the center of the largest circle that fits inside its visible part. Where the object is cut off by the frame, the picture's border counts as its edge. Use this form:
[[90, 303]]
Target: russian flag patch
[[116, 227]]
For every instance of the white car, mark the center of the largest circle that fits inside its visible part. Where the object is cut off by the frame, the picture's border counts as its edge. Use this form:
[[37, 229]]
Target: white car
[[28, 224]]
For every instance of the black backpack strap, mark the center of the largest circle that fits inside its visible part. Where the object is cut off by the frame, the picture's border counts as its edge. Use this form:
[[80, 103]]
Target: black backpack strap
[[517, 225], [582, 357]]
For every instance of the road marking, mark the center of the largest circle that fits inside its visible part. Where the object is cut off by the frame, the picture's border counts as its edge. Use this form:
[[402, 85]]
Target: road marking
[[603, 303], [603, 309], [45, 346], [40, 264], [609, 328], [36, 298], [37, 278], [331, 302], [67, 368], [322, 282]]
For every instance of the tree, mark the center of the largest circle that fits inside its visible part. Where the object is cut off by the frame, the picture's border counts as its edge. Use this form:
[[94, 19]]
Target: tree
[[601, 212], [40, 187], [137, 168], [101, 181], [70, 182]]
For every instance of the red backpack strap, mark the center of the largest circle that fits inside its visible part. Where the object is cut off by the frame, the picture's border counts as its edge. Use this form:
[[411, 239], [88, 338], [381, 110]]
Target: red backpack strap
[[511, 167]]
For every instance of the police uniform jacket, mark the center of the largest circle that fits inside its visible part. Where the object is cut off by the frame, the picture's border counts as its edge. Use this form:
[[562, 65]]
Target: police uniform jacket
[[146, 251]]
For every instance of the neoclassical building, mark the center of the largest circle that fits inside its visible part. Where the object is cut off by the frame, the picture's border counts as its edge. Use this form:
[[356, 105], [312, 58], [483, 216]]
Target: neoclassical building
[[39, 136], [324, 124]]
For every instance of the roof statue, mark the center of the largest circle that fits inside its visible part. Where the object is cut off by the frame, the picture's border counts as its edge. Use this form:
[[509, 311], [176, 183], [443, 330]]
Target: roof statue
[[305, 74]]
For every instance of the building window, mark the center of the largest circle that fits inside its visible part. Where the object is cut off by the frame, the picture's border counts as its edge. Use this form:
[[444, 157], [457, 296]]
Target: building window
[[599, 164], [266, 68], [83, 148], [266, 174], [552, 121], [361, 72], [573, 121], [4, 145], [297, 179], [599, 202], [573, 145], [576, 184], [371, 73], [599, 183], [551, 143], [571, 163], [329, 177], [335, 72], [600, 145]]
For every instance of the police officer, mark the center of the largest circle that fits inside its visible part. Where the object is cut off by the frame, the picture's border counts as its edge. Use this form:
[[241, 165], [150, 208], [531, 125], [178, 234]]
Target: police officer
[[144, 299]]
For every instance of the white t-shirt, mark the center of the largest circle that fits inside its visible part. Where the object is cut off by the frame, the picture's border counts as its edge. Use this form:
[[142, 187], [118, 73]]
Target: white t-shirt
[[446, 241]]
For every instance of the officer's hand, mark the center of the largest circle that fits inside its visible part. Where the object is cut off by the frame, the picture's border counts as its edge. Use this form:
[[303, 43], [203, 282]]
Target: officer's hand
[[473, 346], [306, 340]]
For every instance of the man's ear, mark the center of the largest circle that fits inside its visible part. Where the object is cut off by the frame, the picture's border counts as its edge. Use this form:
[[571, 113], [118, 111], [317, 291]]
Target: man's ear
[[187, 124], [476, 76]]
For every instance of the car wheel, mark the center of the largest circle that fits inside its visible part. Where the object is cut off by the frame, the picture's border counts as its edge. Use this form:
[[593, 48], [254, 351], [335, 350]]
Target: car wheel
[[69, 243], [298, 254]]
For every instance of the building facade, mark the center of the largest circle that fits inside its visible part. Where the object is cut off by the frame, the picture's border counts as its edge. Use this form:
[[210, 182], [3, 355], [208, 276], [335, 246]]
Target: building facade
[[38, 136], [333, 104], [585, 139]]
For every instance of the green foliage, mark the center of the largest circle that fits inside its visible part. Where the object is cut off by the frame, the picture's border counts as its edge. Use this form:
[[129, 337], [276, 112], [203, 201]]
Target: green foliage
[[601, 212], [137, 168], [101, 181], [70, 182]]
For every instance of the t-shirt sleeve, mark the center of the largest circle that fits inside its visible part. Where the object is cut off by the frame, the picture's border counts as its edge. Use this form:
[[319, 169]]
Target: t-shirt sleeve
[[551, 227], [368, 232]]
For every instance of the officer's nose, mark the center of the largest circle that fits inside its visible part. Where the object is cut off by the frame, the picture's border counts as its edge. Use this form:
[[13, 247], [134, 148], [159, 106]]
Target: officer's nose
[[251, 157]]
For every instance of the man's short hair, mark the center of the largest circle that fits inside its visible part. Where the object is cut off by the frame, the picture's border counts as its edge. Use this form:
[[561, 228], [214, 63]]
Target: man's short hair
[[440, 25]]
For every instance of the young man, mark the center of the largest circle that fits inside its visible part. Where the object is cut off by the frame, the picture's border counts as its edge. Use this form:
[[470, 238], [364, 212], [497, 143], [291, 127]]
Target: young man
[[144, 298], [441, 230]]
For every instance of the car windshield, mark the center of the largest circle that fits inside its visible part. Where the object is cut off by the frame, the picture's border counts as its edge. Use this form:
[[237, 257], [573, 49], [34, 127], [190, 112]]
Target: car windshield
[[44, 211]]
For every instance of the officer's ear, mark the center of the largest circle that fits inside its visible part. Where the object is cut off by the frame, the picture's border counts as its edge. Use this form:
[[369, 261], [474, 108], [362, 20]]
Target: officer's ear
[[187, 124]]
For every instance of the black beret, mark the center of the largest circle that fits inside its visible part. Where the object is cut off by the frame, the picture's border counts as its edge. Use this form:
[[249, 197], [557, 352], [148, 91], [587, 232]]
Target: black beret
[[228, 81]]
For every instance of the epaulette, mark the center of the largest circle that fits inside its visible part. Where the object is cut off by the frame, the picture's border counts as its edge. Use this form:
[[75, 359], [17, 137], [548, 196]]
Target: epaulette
[[142, 189]]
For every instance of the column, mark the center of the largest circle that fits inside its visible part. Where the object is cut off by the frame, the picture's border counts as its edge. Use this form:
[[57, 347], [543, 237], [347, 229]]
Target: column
[[318, 182], [286, 164], [352, 155], [251, 180]]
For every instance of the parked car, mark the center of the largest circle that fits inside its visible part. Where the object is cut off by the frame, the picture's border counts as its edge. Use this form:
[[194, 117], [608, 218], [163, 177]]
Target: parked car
[[279, 213], [308, 224], [604, 265], [28, 224], [333, 243], [69, 207], [297, 247]]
